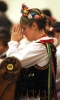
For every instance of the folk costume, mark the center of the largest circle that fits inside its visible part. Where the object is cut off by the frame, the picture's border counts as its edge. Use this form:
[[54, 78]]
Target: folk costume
[[38, 74]]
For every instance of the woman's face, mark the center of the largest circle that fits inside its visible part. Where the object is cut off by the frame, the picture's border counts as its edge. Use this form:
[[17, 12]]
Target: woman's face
[[28, 31], [2, 48]]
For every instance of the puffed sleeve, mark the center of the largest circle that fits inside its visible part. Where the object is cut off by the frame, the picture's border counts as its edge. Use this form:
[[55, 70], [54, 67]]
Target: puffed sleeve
[[33, 53]]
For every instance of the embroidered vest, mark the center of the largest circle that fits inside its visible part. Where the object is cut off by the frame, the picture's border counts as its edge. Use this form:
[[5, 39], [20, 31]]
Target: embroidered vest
[[33, 81]]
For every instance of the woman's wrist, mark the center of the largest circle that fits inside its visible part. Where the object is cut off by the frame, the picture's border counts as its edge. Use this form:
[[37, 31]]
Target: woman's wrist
[[12, 42]]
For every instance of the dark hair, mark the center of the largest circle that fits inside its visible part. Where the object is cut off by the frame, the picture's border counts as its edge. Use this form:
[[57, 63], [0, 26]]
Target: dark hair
[[49, 33], [40, 22], [55, 28], [56, 25], [47, 12], [4, 36], [3, 6], [4, 21]]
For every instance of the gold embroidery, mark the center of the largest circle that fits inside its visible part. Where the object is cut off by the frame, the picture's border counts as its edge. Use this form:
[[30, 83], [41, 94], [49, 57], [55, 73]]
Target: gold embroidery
[[38, 95], [42, 68]]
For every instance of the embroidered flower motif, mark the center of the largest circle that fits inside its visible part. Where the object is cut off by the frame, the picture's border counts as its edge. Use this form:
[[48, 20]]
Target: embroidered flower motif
[[29, 16], [36, 17], [42, 15], [51, 29], [25, 12], [33, 13]]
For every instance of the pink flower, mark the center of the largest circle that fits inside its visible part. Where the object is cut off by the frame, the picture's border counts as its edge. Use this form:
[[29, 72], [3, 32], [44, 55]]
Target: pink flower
[[36, 16]]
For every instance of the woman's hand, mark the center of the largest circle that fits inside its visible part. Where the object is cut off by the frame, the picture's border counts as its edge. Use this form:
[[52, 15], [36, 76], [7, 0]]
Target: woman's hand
[[16, 33]]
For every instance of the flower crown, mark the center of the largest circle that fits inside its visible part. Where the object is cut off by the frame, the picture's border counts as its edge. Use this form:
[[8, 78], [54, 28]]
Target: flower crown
[[54, 29], [25, 12]]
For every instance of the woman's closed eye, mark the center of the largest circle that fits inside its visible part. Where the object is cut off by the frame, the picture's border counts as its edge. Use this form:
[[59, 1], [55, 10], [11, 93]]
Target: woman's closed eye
[[23, 29]]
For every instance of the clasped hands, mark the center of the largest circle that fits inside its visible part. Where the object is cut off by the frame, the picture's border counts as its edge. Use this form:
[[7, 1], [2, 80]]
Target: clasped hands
[[16, 33]]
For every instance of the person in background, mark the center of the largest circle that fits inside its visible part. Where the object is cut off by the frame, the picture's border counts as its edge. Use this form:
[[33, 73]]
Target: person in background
[[4, 39], [4, 20], [48, 13], [54, 31], [51, 19], [34, 82]]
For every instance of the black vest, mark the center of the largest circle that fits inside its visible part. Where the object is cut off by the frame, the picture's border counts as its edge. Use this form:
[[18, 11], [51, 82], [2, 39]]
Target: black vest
[[33, 82]]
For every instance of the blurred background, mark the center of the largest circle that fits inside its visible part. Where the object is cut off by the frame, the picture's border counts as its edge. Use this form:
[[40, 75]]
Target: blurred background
[[10, 15], [14, 7]]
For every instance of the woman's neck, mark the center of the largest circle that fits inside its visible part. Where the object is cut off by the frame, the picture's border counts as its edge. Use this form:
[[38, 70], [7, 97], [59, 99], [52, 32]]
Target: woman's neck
[[40, 34]]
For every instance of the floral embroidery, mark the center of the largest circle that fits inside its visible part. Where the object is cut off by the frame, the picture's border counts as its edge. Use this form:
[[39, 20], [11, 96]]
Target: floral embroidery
[[25, 12], [54, 29], [29, 16], [51, 29]]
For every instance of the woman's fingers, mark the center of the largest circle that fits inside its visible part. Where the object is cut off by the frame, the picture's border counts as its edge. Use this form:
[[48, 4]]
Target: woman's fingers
[[16, 33]]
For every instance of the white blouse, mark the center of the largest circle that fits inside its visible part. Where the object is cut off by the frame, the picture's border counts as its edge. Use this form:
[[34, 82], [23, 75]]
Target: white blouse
[[33, 53]]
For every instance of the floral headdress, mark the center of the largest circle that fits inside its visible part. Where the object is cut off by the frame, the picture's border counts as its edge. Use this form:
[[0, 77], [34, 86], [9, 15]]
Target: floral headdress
[[25, 12], [54, 29]]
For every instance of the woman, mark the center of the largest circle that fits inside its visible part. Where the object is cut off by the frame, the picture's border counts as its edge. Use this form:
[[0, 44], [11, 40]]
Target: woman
[[54, 31], [4, 39], [33, 82], [4, 20]]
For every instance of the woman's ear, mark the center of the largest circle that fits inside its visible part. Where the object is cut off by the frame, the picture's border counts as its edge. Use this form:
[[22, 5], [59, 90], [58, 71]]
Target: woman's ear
[[34, 25]]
